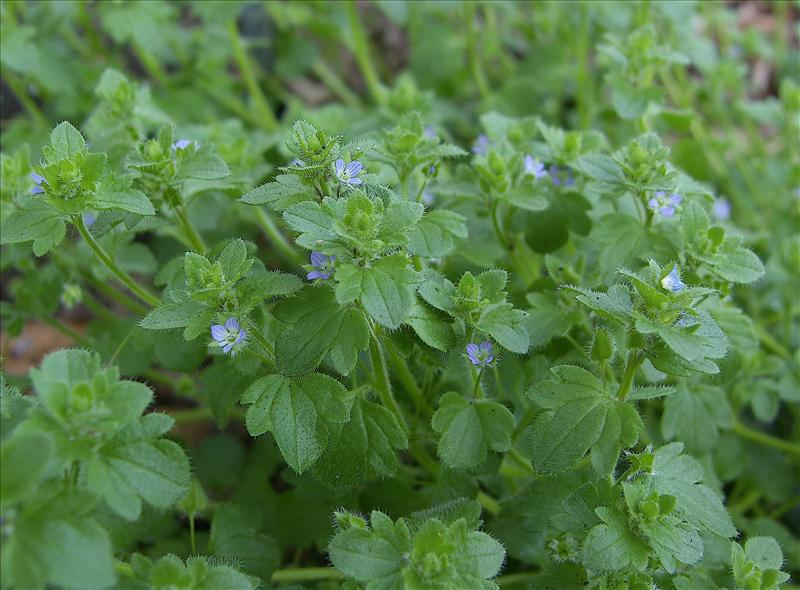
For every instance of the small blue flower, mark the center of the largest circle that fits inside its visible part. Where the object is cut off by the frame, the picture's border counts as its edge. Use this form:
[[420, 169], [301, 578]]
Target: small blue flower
[[721, 209], [672, 282], [481, 145], [429, 132], [480, 354], [665, 204], [431, 170], [89, 219], [182, 144], [561, 175], [348, 173], [230, 336], [534, 167], [296, 162], [427, 197], [323, 266], [38, 179]]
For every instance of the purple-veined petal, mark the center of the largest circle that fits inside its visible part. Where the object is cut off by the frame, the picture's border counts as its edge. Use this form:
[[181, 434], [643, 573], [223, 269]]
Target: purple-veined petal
[[316, 274], [37, 190], [675, 199], [354, 168], [37, 178], [472, 349], [318, 259], [653, 204], [227, 348], [218, 332], [339, 166], [667, 211], [485, 347], [232, 324], [353, 181], [242, 335]]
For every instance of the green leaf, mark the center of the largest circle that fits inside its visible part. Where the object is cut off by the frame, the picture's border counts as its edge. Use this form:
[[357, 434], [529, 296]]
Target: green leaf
[[137, 466], [600, 167], [693, 339], [469, 429], [298, 412], [172, 315], [203, 164], [738, 265], [506, 325], [58, 545], [372, 556], [580, 415], [398, 218], [612, 546], [695, 417], [432, 327], [311, 221], [24, 459], [117, 194], [38, 222], [364, 448], [198, 573], [283, 192], [316, 325], [66, 141], [435, 234], [680, 475], [387, 290], [236, 536]]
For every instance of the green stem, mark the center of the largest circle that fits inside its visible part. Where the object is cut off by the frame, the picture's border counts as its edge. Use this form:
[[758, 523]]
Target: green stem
[[501, 236], [490, 504], [522, 461], [769, 342], [404, 375], [472, 50], [304, 574], [151, 64], [118, 296], [362, 54], [195, 239], [265, 114], [766, 440], [477, 392], [17, 86], [137, 289], [64, 329], [382, 383], [192, 540], [275, 237], [425, 459], [332, 80], [634, 360], [265, 344]]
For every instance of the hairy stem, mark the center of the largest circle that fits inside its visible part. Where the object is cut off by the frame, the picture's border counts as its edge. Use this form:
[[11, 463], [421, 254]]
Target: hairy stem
[[635, 358], [195, 239], [382, 383], [137, 289], [275, 237], [332, 80]]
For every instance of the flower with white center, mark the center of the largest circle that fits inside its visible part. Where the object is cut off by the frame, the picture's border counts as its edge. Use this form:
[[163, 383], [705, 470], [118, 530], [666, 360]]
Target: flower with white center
[[665, 204], [348, 173], [230, 336], [534, 167]]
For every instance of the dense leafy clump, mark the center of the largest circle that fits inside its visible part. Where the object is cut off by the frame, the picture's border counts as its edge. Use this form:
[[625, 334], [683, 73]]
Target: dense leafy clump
[[399, 296]]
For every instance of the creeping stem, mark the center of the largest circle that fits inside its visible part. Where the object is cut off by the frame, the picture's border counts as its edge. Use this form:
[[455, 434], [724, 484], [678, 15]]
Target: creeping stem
[[137, 289]]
